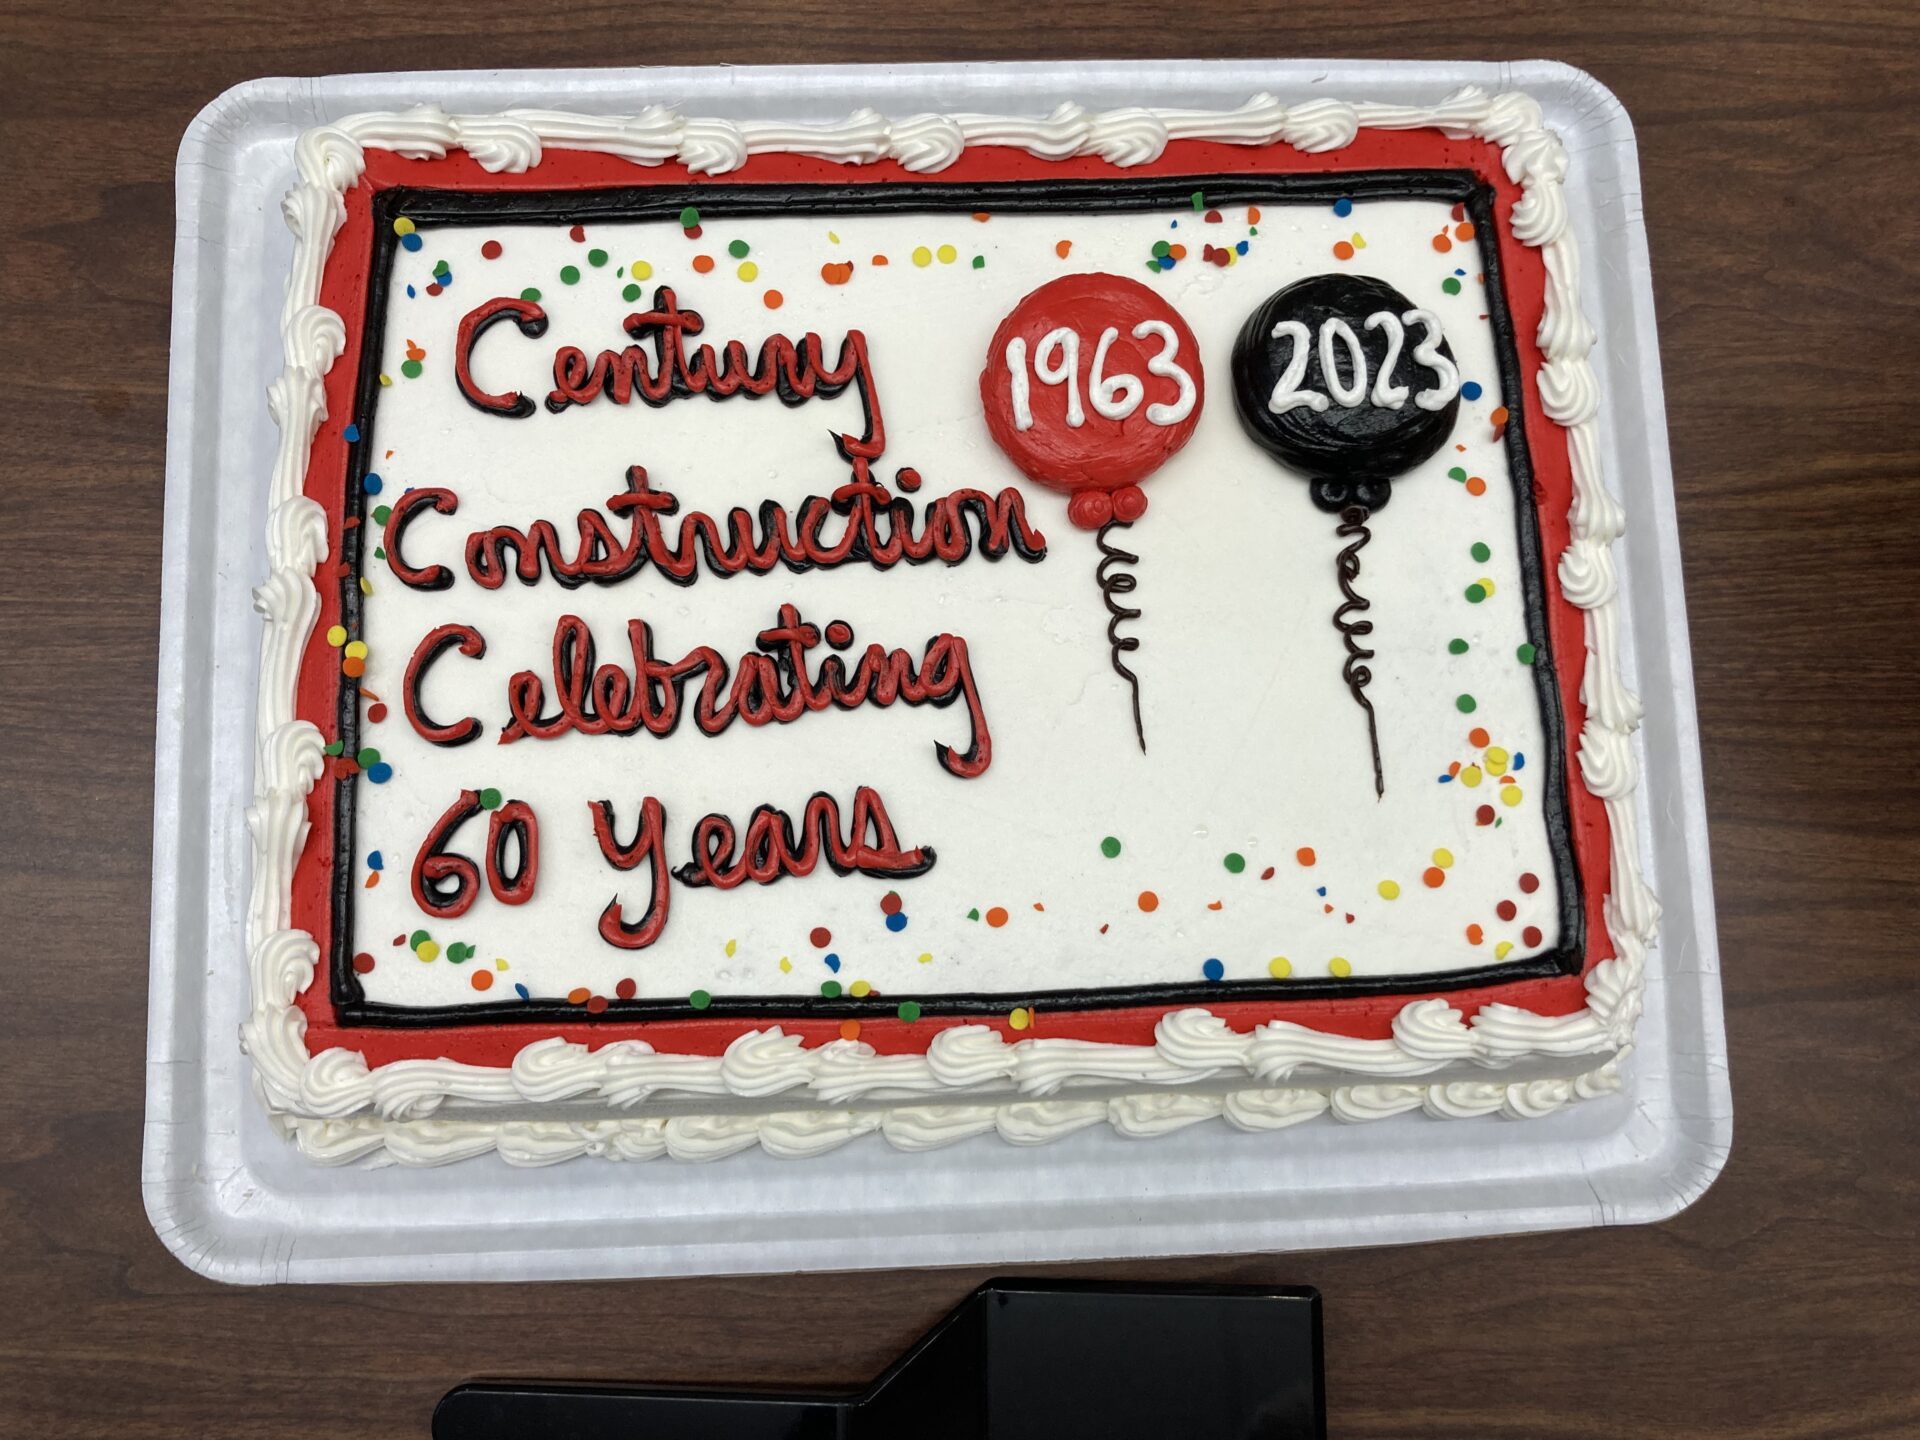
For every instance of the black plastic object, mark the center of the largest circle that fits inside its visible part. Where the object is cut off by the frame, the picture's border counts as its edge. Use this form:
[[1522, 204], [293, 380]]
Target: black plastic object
[[1018, 1360]]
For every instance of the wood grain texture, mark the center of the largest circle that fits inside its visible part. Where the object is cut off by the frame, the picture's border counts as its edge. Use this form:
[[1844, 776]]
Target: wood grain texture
[[1778, 144]]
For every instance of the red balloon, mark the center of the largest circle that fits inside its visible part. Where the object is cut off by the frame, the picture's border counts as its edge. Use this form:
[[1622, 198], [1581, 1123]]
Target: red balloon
[[1091, 384]]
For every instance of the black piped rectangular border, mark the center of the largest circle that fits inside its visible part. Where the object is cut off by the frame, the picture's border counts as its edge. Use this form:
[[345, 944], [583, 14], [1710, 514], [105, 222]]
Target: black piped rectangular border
[[428, 207]]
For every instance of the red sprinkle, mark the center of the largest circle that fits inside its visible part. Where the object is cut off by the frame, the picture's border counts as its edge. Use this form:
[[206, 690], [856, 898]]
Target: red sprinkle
[[491, 250], [1529, 883], [821, 937], [1506, 910], [362, 963], [890, 903], [1531, 935], [577, 233], [596, 1004], [378, 712]]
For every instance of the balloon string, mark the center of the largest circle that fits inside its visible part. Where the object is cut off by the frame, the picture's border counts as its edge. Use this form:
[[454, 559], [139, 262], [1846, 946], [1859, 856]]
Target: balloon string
[[1116, 582], [1353, 521]]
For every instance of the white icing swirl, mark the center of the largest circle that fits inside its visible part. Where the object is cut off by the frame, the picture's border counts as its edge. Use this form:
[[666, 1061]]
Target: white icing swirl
[[1058, 136], [712, 147], [503, 144], [1127, 137], [1319, 126], [926, 143]]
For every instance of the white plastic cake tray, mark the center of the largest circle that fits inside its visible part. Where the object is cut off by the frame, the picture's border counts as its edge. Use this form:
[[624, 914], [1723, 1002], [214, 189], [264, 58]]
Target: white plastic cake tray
[[236, 1203]]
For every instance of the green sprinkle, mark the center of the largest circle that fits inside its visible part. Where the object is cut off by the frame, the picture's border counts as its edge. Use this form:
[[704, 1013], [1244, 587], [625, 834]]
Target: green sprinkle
[[530, 293], [1162, 249], [1199, 200], [979, 262], [973, 914], [417, 939], [1480, 551], [1450, 285], [630, 293], [699, 999], [909, 1011], [830, 989], [1458, 475], [596, 258], [569, 274], [459, 953], [1456, 647], [410, 369], [689, 218], [380, 551], [334, 747], [738, 249], [1110, 847], [1466, 704], [367, 758], [381, 514], [1525, 654], [1235, 862], [440, 267], [490, 799], [1476, 592]]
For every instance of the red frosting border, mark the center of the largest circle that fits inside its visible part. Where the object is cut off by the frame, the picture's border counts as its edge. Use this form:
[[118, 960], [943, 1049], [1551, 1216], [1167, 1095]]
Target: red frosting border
[[344, 290]]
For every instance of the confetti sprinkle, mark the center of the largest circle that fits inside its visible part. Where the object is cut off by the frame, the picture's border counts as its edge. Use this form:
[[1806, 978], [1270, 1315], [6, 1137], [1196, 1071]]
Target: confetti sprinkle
[[1279, 967], [1475, 935], [773, 299], [1020, 1018], [748, 271], [569, 274], [351, 434], [427, 950], [1339, 968], [1213, 970], [849, 1029], [336, 635], [909, 1011], [946, 254], [625, 989], [926, 957], [689, 218], [1456, 647], [738, 249], [1530, 937], [481, 980], [490, 798], [1342, 250], [363, 963], [830, 989], [702, 264], [1526, 654], [1304, 855], [1433, 877], [1063, 248], [820, 937], [1450, 285], [1343, 207], [1149, 902], [833, 963], [922, 256], [1480, 551], [1110, 847], [1466, 704], [860, 989], [837, 272], [890, 903], [1389, 889], [490, 250], [700, 999], [640, 270], [996, 917], [896, 922], [1470, 390], [530, 293], [1500, 950], [1235, 862]]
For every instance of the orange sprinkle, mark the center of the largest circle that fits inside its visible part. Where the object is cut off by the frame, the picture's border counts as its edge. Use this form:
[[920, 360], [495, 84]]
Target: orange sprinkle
[[849, 1029], [1178, 252], [878, 260], [1453, 767], [1477, 737], [703, 263], [353, 669], [1038, 906], [1434, 877], [982, 216], [1463, 231], [997, 916], [596, 1004], [1475, 934], [1476, 486], [1149, 901], [1213, 904], [1499, 417], [1343, 250], [482, 980], [837, 272], [576, 996], [773, 299], [1442, 243], [373, 879], [1304, 855], [1062, 247], [1253, 214]]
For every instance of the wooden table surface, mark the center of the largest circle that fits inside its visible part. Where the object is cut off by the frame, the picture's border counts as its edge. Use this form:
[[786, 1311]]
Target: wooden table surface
[[1778, 143]]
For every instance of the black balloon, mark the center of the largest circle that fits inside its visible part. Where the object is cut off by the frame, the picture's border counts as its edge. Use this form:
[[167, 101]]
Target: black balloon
[[1349, 454]]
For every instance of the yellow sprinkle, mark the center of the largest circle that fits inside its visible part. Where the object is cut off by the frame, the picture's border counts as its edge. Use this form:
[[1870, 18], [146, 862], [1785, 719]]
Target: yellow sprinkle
[[640, 270], [748, 270], [1279, 968], [786, 965], [1510, 796], [1497, 760], [923, 257], [1389, 890], [732, 945], [1470, 777], [833, 237], [356, 650], [926, 957], [403, 226], [1359, 241], [1500, 950], [1443, 858], [947, 254], [428, 950], [366, 586], [860, 989], [336, 635], [1485, 584], [385, 379], [1339, 968], [1020, 1019], [499, 964]]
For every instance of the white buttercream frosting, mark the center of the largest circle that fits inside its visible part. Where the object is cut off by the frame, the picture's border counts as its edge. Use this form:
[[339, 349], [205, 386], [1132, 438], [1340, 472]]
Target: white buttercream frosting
[[339, 1111]]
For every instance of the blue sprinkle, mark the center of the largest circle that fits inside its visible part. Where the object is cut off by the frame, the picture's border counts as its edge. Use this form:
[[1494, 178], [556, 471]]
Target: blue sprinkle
[[1460, 272], [1174, 226], [1343, 206], [833, 963], [521, 991], [372, 483], [1166, 262], [1446, 779], [1213, 970], [1470, 390], [1321, 892], [410, 294], [350, 434], [897, 921], [1519, 761], [411, 242], [380, 772], [376, 861], [1241, 248]]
